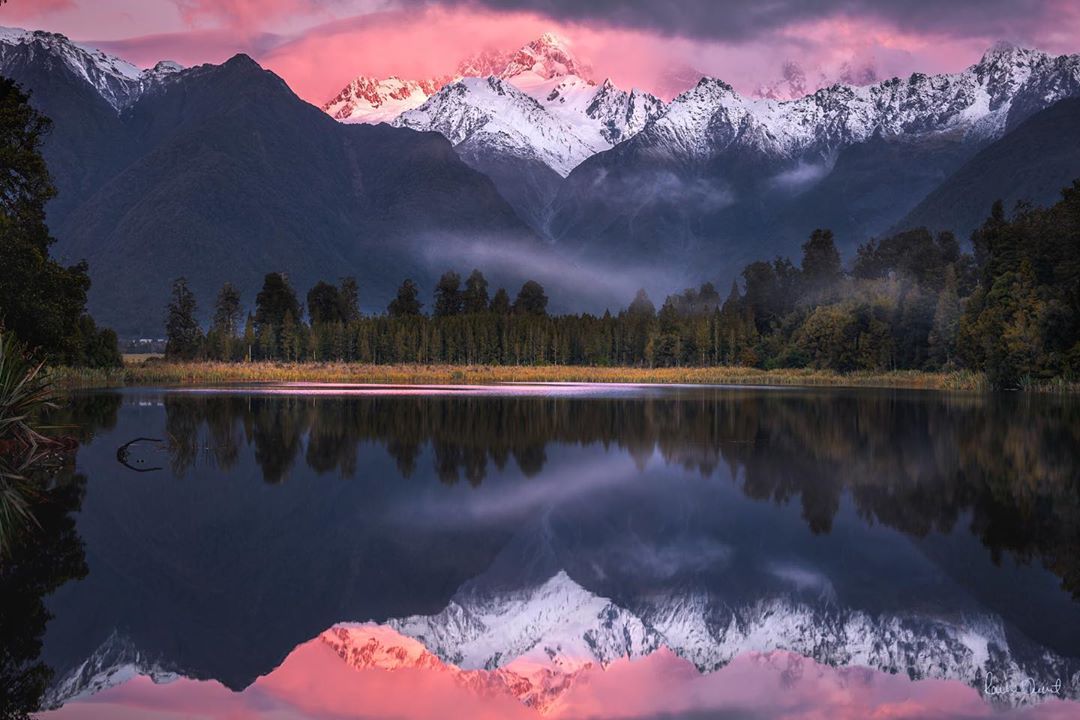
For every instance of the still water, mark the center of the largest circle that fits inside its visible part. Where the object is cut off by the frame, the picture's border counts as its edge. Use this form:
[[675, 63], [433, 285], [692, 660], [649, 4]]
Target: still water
[[563, 551]]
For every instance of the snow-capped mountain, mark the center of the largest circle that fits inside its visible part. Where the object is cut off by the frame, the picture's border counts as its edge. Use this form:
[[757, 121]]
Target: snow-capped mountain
[[490, 116], [537, 103], [557, 622], [115, 662], [375, 647], [117, 81], [536, 643], [373, 101], [978, 104], [563, 627]]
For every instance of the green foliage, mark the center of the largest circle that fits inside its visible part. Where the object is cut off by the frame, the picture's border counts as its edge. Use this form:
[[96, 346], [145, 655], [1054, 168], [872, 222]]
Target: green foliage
[[912, 302], [24, 393], [43, 302], [1022, 323]]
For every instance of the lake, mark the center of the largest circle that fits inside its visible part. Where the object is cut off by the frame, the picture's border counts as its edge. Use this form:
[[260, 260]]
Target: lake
[[561, 551]]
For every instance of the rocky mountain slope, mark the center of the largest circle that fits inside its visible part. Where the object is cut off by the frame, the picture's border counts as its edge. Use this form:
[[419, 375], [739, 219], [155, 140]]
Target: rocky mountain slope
[[220, 173], [525, 118], [717, 169], [1032, 163]]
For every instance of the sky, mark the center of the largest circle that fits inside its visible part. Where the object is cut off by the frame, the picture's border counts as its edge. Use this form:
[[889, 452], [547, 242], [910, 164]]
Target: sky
[[758, 46]]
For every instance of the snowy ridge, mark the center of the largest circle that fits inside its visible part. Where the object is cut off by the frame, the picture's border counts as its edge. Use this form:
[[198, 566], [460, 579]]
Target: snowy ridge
[[117, 81], [492, 115], [577, 118], [558, 623], [536, 103], [563, 627], [536, 643], [112, 664], [373, 101], [977, 104]]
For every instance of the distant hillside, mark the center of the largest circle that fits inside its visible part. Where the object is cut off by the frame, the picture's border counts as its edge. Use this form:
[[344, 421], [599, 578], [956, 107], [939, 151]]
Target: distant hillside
[[1033, 162], [220, 173]]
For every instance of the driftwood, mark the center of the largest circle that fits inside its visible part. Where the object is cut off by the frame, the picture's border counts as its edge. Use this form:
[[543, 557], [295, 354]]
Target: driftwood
[[122, 454]]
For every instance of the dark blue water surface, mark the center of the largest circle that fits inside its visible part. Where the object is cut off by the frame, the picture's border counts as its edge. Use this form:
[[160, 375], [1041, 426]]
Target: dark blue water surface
[[247, 522]]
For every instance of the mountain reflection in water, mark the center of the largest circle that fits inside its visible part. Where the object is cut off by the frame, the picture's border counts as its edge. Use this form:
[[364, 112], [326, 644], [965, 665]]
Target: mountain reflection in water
[[573, 543]]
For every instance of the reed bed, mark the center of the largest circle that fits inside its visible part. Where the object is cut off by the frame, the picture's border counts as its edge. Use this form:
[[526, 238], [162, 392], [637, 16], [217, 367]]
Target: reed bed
[[220, 373]]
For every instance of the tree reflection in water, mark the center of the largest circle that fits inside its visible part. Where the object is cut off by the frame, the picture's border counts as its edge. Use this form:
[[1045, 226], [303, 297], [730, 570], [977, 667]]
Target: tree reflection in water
[[42, 549], [914, 462]]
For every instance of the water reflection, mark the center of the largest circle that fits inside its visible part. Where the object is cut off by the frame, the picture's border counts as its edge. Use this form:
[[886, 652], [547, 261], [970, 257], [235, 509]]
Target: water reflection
[[920, 535], [914, 462], [38, 556]]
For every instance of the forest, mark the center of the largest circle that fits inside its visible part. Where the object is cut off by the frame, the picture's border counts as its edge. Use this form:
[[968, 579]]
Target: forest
[[914, 300]]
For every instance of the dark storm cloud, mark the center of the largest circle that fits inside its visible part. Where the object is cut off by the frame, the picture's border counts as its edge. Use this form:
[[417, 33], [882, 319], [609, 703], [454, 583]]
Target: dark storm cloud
[[738, 20]]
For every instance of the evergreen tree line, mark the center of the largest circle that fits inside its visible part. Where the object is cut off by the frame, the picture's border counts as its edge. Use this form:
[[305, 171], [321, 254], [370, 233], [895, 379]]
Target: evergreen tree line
[[910, 301]]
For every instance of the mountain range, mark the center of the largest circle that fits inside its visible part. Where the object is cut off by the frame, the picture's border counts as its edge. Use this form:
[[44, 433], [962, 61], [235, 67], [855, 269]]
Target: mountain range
[[222, 173], [536, 643]]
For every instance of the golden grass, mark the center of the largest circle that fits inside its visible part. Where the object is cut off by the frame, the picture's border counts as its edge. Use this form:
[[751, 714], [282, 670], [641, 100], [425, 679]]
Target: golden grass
[[218, 373]]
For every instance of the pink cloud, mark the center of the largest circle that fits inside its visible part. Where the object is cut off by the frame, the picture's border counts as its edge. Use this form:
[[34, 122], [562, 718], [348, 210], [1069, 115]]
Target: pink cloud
[[34, 9], [317, 46]]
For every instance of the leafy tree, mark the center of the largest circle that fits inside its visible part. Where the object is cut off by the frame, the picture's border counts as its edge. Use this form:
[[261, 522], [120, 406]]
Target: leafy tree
[[406, 303], [475, 297], [531, 299], [448, 297], [182, 332], [43, 302]]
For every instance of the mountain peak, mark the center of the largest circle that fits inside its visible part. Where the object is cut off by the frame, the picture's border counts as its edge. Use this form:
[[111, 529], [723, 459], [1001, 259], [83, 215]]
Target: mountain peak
[[1003, 51], [547, 57], [118, 82]]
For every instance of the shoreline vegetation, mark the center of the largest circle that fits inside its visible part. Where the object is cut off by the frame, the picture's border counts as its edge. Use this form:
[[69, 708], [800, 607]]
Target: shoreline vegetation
[[157, 372]]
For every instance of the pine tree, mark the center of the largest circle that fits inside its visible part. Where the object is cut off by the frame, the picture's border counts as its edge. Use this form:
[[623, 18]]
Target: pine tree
[[448, 298], [183, 336], [275, 300], [500, 303], [531, 300], [324, 304], [406, 303], [227, 310], [475, 296], [349, 294]]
